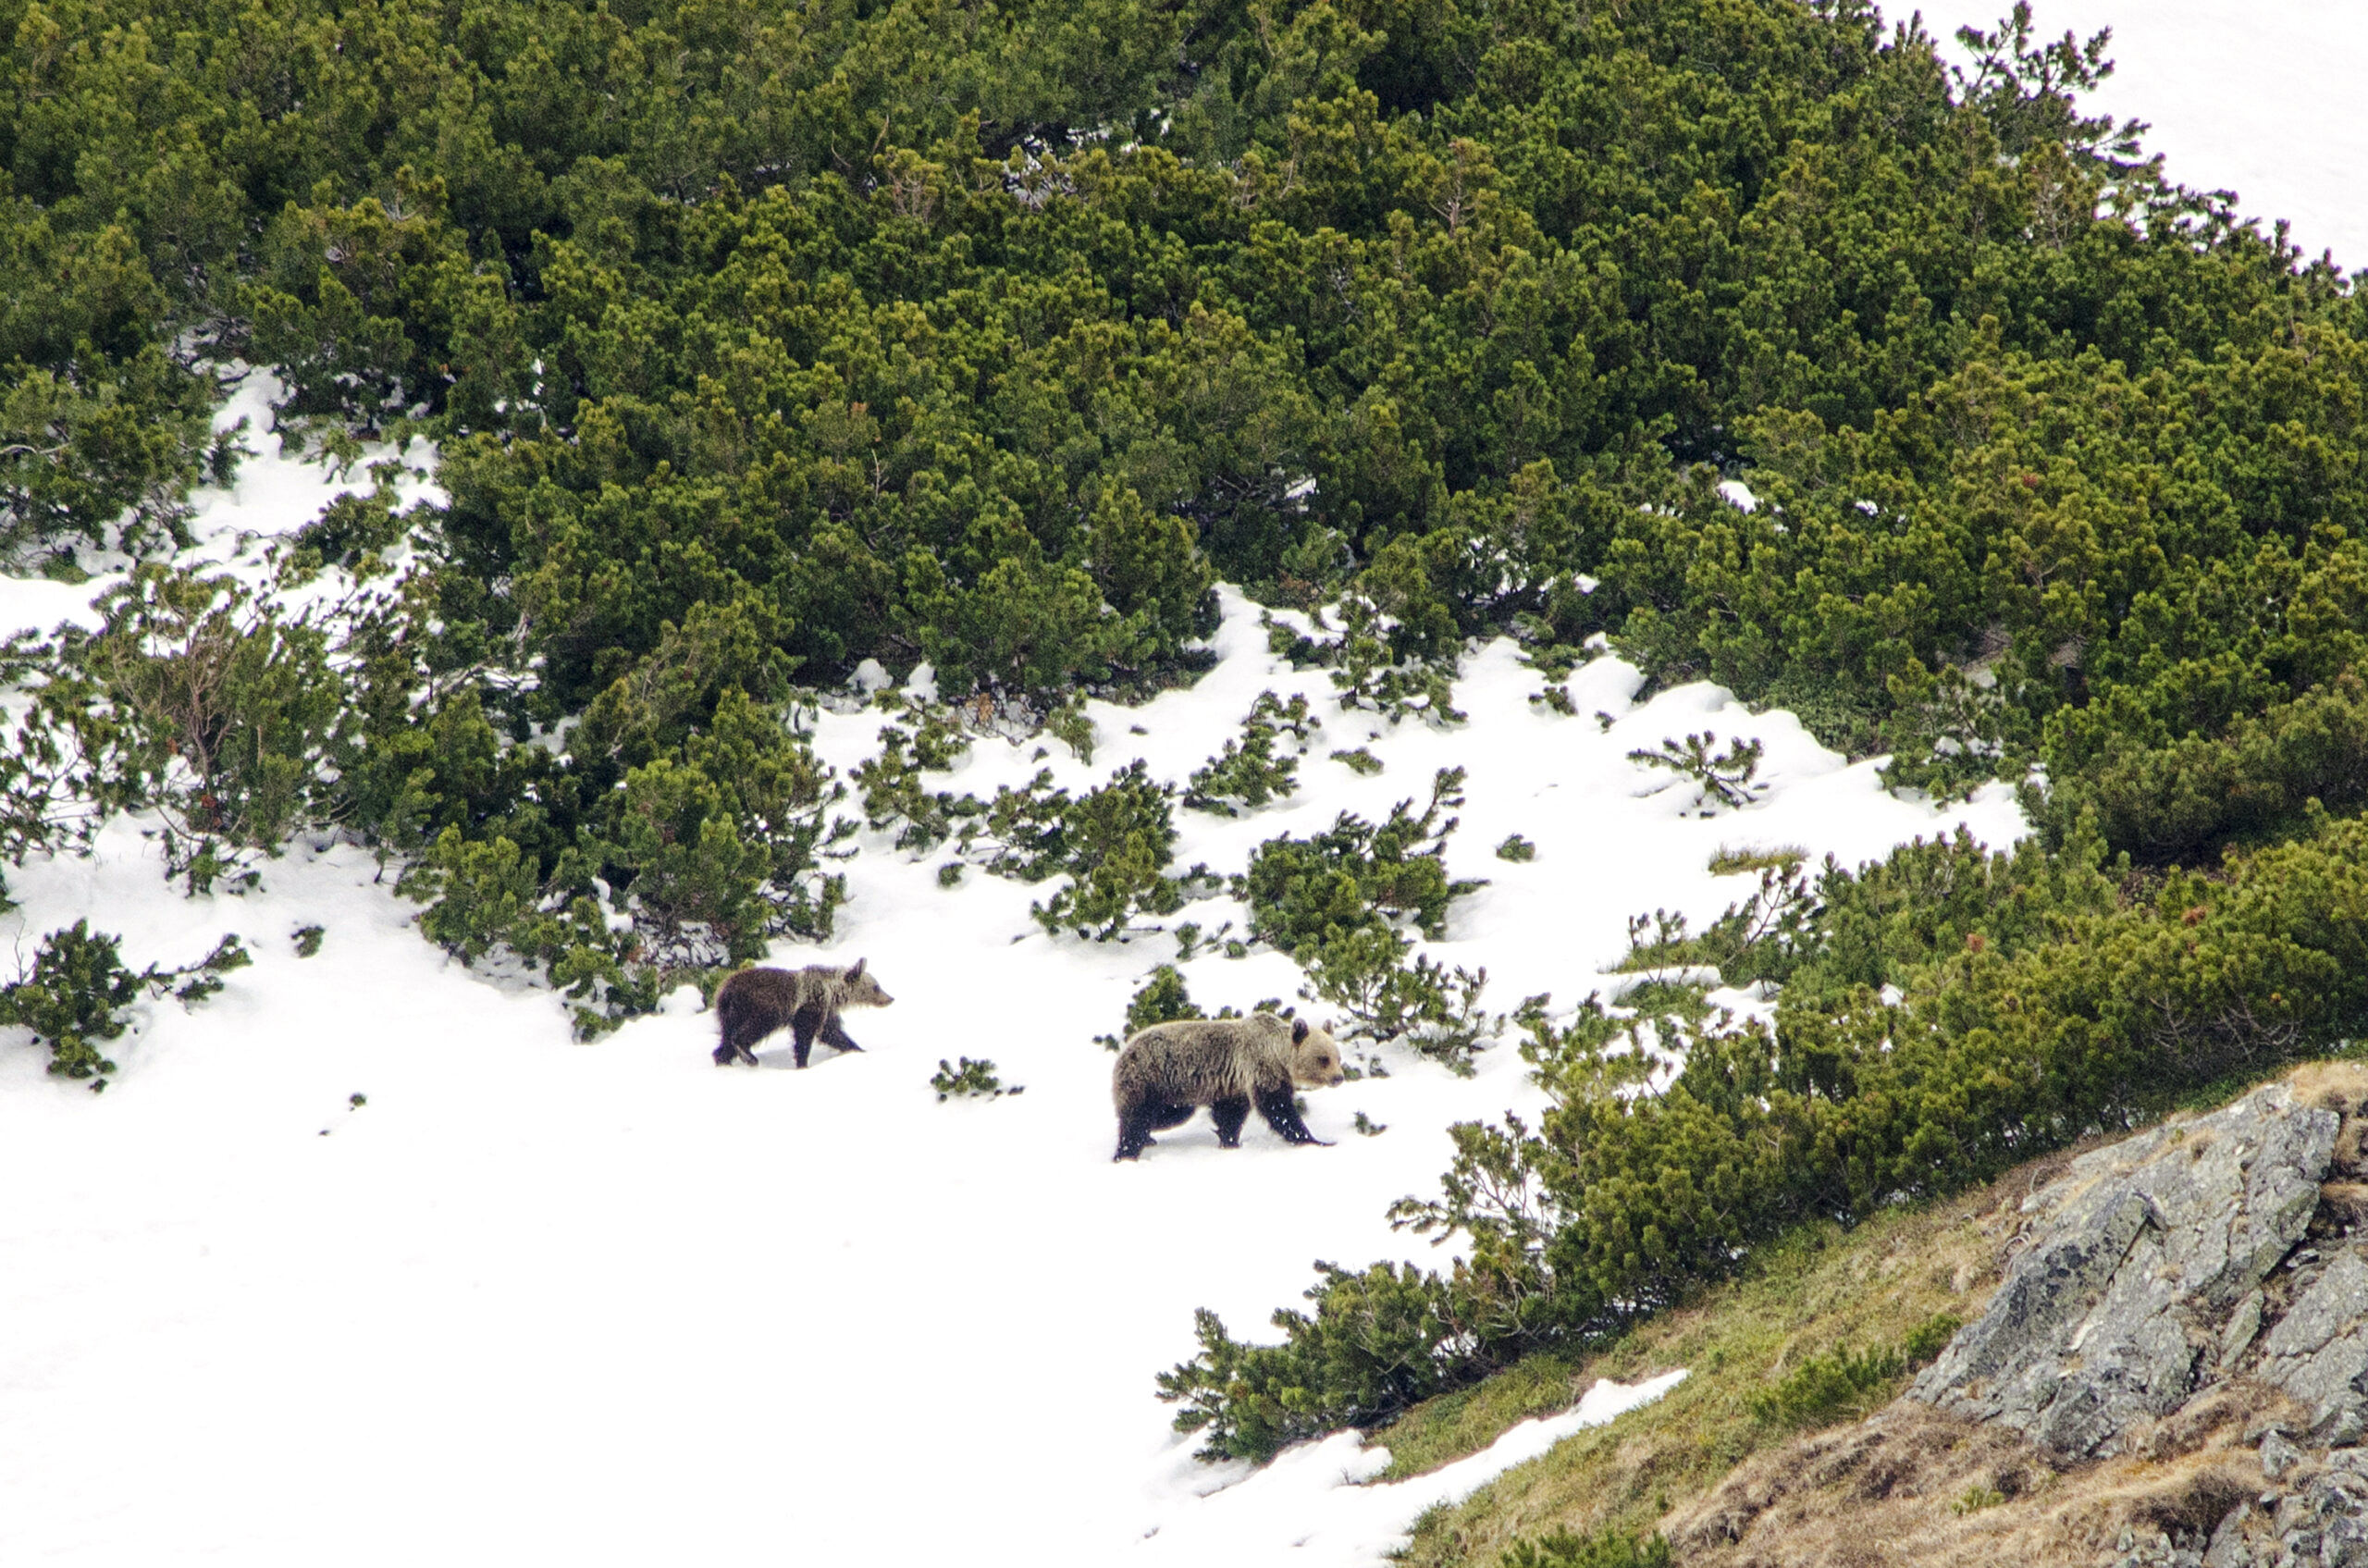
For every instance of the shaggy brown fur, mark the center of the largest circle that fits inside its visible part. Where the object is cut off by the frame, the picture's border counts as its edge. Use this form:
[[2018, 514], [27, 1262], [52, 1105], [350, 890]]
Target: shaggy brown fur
[[753, 1003], [1172, 1069]]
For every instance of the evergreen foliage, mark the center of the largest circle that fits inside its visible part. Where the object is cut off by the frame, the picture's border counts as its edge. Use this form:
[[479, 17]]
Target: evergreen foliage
[[970, 1080], [1248, 774], [74, 995]]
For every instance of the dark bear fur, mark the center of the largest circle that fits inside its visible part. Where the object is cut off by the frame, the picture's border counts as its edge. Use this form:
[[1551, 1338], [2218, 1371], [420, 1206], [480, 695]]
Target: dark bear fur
[[1172, 1069], [753, 1003]]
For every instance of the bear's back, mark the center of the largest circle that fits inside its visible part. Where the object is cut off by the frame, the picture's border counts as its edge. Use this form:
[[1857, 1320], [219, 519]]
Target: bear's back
[[1210, 1052]]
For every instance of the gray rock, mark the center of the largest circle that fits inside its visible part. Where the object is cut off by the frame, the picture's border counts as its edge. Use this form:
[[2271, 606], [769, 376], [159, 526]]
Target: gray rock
[[2140, 1257], [2318, 1352], [2278, 1456], [2227, 1548]]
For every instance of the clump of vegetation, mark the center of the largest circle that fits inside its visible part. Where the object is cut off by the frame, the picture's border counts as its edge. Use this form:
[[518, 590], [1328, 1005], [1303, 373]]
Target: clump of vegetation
[[307, 940], [75, 994], [1114, 845], [1723, 780], [1517, 849], [1361, 761], [1561, 1549], [1762, 937], [894, 794], [1841, 1385], [1249, 773], [1340, 902], [970, 1080], [1729, 861], [1357, 876]]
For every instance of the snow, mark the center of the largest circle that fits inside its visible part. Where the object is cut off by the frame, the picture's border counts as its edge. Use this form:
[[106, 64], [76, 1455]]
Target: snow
[[1309, 1510], [2259, 98], [607, 1303]]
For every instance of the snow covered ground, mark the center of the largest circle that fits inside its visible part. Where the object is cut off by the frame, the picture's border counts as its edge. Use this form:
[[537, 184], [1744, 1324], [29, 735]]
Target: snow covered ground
[[541, 1302], [2261, 97]]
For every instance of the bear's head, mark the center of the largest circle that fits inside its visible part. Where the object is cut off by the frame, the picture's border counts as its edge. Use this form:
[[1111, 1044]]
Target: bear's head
[[862, 991], [1315, 1056]]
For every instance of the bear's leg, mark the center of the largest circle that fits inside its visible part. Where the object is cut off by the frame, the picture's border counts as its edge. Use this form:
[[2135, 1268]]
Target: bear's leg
[[834, 1033], [1281, 1111], [1231, 1113], [803, 1028], [1165, 1114], [1134, 1132], [739, 1032]]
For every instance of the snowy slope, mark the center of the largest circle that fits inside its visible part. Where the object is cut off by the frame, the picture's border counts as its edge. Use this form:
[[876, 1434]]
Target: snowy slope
[[606, 1303], [2261, 97]]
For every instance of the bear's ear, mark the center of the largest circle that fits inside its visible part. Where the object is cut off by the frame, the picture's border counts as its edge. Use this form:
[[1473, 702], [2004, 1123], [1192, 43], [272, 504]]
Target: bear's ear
[[1298, 1031], [857, 972]]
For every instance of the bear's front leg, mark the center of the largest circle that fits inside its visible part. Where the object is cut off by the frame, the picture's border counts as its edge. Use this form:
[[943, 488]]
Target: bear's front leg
[[1280, 1108], [836, 1037], [1231, 1113]]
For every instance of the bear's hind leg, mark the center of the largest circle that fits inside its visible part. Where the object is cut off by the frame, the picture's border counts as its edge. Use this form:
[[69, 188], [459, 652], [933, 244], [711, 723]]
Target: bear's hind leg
[[1231, 1113], [803, 1029], [1137, 1122], [1281, 1110], [1134, 1134]]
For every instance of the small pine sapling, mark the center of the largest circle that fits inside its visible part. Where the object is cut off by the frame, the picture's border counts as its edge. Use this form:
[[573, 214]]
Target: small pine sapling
[[1725, 779], [1368, 1127], [1249, 773], [975, 1081], [1069, 724], [1516, 849], [1362, 762], [893, 795], [1161, 999], [74, 996], [308, 940]]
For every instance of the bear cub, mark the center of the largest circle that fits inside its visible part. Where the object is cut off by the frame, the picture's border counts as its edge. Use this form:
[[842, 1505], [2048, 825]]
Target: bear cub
[[1169, 1070], [753, 1003]]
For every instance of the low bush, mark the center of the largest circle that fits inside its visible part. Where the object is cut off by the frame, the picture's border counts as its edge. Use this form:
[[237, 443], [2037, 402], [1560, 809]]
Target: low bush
[[74, 996], [969, 1080], [1249, 772]]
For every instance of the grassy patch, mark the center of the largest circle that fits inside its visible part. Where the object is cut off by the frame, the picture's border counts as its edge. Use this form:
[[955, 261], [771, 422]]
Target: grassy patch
[[1762, 1350], [1731, 861]]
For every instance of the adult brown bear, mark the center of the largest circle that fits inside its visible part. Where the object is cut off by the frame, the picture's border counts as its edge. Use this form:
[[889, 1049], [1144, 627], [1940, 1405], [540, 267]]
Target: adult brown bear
[[1172, 1069]]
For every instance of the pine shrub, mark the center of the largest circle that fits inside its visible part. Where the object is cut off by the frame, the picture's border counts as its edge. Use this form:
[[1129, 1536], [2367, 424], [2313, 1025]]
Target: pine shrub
[[75, 994]]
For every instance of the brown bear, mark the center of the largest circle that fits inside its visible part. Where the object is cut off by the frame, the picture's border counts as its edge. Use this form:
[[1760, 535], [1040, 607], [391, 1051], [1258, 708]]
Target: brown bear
[[1171, 1069], [753, 1003]]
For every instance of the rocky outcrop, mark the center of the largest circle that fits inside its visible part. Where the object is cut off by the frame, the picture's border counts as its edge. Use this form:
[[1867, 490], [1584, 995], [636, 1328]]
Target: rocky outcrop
[[2214, 1265], [2141, 1279]]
